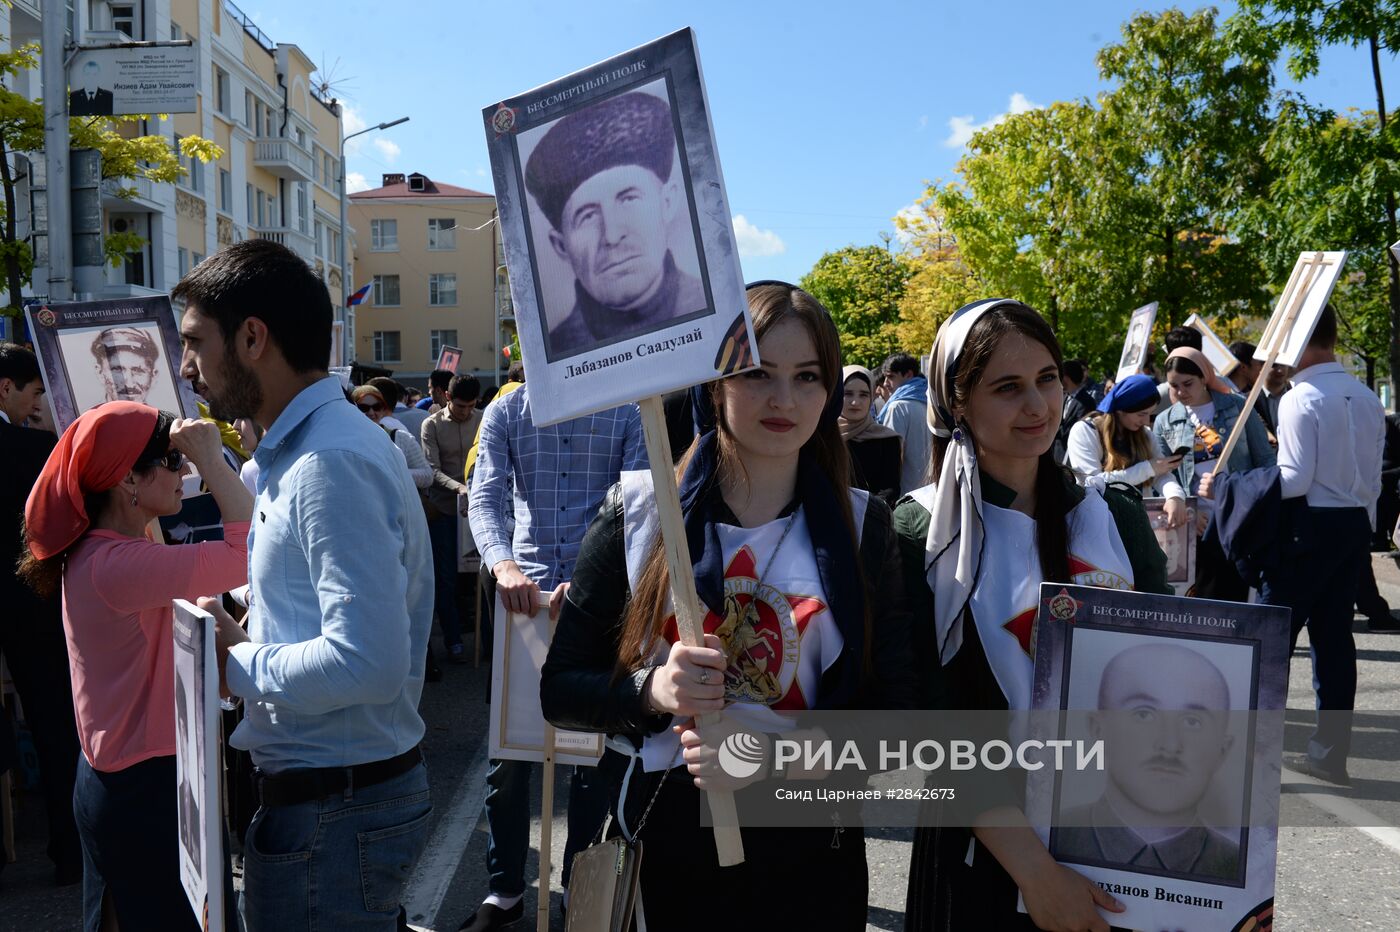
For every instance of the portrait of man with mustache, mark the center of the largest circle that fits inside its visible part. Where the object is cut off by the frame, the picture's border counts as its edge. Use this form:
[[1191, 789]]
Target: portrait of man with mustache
[[1164, 720]]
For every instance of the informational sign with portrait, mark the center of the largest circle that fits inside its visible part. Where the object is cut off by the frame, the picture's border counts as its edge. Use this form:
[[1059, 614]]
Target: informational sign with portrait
[[121, 350], [1216, 350], [448, 358], [1136, 342], [617, 233], [1179, 819], [150, 79], [1178, 543], [198, 765], [517, 726]]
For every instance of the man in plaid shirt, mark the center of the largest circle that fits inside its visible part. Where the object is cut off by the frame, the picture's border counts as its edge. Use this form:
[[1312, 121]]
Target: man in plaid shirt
[[550, 481]]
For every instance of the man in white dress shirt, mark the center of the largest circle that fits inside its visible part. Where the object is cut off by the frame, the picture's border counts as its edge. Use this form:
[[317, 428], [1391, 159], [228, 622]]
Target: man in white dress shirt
[[1331, 429]]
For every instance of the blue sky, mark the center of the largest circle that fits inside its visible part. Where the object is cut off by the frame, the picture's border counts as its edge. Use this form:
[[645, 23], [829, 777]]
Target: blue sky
[[829, 118]]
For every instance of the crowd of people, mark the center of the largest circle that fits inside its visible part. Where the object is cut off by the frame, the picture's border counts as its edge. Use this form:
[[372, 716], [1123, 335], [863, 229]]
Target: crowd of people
[[905, 513]]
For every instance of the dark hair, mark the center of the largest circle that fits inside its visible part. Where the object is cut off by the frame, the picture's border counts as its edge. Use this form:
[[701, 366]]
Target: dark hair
[[18, 364], [1075, 370], [440, 379], [465, 388], [1184, 366], [1243, 351], [901, 363], [488, 396], [1178, 337], [388, 390], [262, 279], [45, 576], [1324, 335], [516, 372], [1052, 503]]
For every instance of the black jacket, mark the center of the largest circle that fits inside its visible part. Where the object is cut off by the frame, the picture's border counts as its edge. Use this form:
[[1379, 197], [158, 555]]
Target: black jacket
[[23, 453], [578, 689]]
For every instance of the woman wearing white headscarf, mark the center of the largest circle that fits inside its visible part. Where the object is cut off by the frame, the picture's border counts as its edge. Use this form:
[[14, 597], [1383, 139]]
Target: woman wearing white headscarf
[[875, 449], [1002, 517]]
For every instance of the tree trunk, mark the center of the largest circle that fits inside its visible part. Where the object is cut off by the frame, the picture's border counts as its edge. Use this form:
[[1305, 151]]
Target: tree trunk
[[13, 278], [1390, 227]]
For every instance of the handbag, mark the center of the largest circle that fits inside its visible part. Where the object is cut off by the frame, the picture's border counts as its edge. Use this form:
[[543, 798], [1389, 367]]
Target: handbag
[[607, 876]]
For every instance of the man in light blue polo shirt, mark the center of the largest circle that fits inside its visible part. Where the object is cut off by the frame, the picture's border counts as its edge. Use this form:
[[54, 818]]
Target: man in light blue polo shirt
[[341, 599]]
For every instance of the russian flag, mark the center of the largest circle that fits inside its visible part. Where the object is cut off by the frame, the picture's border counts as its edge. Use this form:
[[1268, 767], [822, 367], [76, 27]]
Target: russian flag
[[359, 296]]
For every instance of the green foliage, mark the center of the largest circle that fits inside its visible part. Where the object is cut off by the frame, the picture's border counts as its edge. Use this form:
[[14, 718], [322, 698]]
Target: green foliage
[[861, 286]]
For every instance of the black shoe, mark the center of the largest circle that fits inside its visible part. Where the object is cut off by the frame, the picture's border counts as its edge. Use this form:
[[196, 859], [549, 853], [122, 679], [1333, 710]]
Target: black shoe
[[490, 916], [1384, 622], [65, 875], [1307, 765]]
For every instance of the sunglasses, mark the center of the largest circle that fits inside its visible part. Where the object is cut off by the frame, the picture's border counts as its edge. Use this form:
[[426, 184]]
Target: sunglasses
[[369, 409], [171, 461]]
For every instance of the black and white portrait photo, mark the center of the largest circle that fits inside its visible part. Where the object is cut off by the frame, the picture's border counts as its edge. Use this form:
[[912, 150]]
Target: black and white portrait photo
[[188, 735], [88, 96], [1135, 345], [1174, 762], [119, 350], [1178, 543], [612, 222]]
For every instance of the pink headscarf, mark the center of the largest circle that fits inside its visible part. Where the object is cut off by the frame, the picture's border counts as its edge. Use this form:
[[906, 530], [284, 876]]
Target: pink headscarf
[[93, 455], [1213, 381]]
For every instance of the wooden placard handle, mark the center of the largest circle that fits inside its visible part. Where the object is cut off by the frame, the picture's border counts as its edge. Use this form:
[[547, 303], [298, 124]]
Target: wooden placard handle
[[689, 617], [1278, 338]]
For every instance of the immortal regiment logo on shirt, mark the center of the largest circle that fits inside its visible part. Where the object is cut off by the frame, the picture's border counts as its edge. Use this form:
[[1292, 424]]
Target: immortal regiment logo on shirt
[[762, 631], [1082, 573]]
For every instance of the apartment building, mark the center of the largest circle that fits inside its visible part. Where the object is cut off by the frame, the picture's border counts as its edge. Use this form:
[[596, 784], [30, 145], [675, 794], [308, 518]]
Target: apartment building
[[430, 250], [278, 175]]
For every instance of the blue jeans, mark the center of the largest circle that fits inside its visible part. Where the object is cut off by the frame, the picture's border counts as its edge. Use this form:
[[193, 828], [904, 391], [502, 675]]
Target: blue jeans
[[508, 818], [338, 863], [442, 534]]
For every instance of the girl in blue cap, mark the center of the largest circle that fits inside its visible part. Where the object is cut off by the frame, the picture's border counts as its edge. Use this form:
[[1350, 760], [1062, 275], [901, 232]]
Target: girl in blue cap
[[1117, 445]]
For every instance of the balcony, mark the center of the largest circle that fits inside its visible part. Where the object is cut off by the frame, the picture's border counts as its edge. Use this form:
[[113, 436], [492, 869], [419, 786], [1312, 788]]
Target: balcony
[[129, 194], [298, 242], [283, 158]]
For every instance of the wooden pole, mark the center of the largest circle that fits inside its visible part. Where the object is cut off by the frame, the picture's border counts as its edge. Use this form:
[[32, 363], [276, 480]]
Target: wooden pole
[[689, 617], [1275, 337], [546, 809]]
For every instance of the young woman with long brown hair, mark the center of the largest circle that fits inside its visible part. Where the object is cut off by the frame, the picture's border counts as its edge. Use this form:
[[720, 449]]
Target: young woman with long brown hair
[[1001, 517], [799, 575]]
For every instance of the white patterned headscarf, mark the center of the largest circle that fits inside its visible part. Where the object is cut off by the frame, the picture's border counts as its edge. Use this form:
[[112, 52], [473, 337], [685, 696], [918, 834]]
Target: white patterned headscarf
[[953, 548]]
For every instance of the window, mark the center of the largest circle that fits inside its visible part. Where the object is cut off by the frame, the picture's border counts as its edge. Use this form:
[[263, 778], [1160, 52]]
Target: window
[[329, 176], [225, 191], [386, 346], [274, 214], [193, 178], [384, 235], [176, 33], [183, 256], [262, 208], [315, 166], [386, 291], [249, 111], [222, 91], [124, 20], [437, 339], [442, 289], [320, 249], [251, 213], [196, 259], [442, 234], [303, 213]]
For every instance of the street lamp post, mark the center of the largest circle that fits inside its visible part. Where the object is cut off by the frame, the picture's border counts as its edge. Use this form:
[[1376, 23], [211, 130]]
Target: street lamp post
[[347, 282]]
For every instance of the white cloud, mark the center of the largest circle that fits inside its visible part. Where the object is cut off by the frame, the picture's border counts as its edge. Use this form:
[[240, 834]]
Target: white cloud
[[352, 122], [907, 212], [755, 242], [923, 122], [387, 148], [355, 181], [961, 128]]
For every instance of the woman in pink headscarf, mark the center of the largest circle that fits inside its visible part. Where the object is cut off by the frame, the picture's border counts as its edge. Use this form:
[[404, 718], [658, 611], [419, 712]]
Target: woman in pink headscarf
[[116, 468], [1203, 415]]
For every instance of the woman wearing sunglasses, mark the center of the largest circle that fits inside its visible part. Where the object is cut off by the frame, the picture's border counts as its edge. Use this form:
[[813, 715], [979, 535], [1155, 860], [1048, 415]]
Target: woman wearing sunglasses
[[116, 468]]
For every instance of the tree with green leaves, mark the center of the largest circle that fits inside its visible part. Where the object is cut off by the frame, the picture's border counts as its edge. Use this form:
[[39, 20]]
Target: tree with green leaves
[[861, 286], [1265, 28], [125, 154]]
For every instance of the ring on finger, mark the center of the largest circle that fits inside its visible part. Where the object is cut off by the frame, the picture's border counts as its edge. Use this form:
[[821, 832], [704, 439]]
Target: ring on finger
[[704, 677]]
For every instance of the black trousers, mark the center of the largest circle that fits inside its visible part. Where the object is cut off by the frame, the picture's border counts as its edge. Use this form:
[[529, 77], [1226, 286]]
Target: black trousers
[[791, 878], [31, 638]]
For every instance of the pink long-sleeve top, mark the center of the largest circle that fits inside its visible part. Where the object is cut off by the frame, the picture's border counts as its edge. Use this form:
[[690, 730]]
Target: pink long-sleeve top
[[117, 618]]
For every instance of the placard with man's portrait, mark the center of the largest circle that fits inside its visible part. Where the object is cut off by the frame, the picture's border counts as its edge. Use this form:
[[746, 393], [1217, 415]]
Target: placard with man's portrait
[[93, 352], [1178, 819], [1178, 543], [198, 763], [617, 233], [1135, 344]]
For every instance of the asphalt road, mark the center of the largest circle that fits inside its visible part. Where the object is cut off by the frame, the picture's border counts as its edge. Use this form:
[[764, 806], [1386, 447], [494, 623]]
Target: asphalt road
[[1332, 874]]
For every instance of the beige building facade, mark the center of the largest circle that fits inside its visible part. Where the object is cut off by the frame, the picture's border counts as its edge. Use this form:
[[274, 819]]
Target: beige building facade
[[278, 177], [430, 251]]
